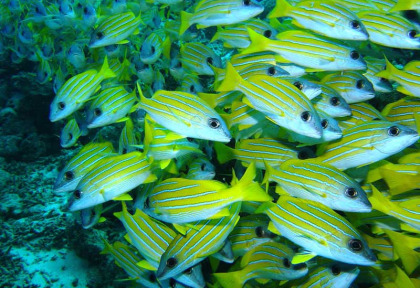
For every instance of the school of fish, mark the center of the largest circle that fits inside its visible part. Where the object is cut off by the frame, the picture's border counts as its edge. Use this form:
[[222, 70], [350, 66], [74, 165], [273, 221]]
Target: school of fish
[[263, 143]]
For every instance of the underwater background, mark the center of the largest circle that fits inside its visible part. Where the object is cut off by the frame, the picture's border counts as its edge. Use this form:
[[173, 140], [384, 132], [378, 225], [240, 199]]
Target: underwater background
[[209, 143]]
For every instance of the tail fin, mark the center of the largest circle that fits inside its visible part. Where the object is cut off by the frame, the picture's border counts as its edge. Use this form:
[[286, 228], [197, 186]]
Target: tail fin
[[403, 5], [400, 182], [247, 189], [209, 98], [264, 207], [105, 70], [185, 22], [224, 153], [231, 279], [389, 71], [232, 80], [409, 257], [379, 202], [258, 42], [281, 9]]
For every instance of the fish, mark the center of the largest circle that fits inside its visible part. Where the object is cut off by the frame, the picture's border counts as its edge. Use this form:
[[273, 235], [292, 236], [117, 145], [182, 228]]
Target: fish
[[152, 47], [268, 260], [77, 90], [110, 178], [214, 13], [331, 103], [309, 88], [128, 139], [409, 81], [308, 50], [318, 229], [366, 143], [76, 56], [406, 5], [405, 245], [328, 275], [197, 57], [191, 84], [329, 18], [351, 85], [405, 111], [80, 164], [185, 114], [374, 66], [70, 134], [110, 106], [180, 200], [250, 232], [114, 29], [200, 169], [204, 238], [390, 30], [360, 113], [220, 99], [261, 150], [323, 183], [269, 95]]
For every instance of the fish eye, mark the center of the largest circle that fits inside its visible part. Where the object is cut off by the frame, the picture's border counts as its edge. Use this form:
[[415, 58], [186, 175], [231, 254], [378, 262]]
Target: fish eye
[[97, 112], [69, 175], [412, 34], [354, 24], [85, 10], [393, 131], [354, 55], [298, 85], [271, 71], [247, 2], [124, 151], [268, 33], [302, 155], [178, 65], [259, 231], [36, 9], [172, 283], [203, 166], [360, 84], [147, 203], [214, 123], [355, 245], [99, 35], [335, 270], [324, 123], [61, 105], [335, 101], [171, 262], [351, 192], [209, 60], [286, 263], [188, 271], [305, 116], [190, 139], [153, 49], [79, 5], [70, 136], [77, 194], [152, 277], [192, 89], [383, 80]]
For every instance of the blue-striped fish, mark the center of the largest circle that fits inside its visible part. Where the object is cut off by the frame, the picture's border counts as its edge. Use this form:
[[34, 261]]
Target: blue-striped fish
[[111, 105], [280, 101], [374, 66], [114, 29], [126, 258], [367, 143], [205, 238], [220, 99], [406, 211], [311, 179], [191, 84], [242, 116], [391, 30], [80, 164], [152, 47], [251, 231], [403, 5], [197, 57], [261, 150], [405, 247], [308, 50], [216, 12], [128, 138], [179, 200], [77, 90], [70, 133], [309, 88], [408, 78], [328, 275], [237, 36], [185, 114], [327, 18], [110, 178], [351, 85], [269, 260], [200, 169], [318, 229], [331, 103], [405, 111], [360, 113]]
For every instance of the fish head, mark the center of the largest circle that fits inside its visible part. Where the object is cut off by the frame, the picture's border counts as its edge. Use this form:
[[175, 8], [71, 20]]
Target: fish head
[[330, 129], [355, 197], [60, 108], [66, 9], [409, 39], [90, 216], [310, 89], [341, 274], [211, 127], [355, 250], [354, 60], [83, 198], [357, 30], [67, 138], [98, 39], [361, 88], [392, 138], [307, 123], [95, 117], [172, 264], [67, 180], [192, 276], [339, 105], [245, 9]]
